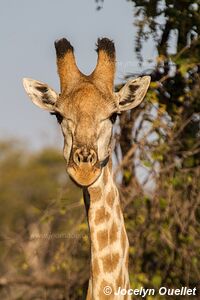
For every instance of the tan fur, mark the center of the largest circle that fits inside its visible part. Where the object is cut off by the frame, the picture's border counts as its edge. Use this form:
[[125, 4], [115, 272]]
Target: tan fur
[[89, 292], [105, 70], [70, 75]]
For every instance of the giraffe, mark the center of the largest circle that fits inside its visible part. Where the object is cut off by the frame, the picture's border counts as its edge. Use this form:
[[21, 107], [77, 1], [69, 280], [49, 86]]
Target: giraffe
[[86, 110]]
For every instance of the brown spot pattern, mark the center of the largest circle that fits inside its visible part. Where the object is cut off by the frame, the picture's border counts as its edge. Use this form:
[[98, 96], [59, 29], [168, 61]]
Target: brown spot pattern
[[95, 267], [113, 233], [127, 259], [105, 176], [110, 164], [110, 198], [95, 194], [119, 281], [123, 239], [101, 215], [110, 262], [102, 238], [118, 209], [102, 295]]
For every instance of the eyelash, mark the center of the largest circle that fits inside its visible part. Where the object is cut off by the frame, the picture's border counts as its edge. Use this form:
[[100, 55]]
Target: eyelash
[[59, 117], [113, 117]]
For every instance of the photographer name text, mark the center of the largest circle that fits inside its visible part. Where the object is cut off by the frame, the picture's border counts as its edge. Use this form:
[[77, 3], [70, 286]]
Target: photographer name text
[[162, 291]]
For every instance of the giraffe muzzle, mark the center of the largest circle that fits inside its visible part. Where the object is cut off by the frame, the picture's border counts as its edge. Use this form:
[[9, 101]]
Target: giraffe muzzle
[[84, 167]]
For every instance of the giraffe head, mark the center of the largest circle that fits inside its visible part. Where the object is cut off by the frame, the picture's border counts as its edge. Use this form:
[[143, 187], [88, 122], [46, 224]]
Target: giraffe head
[[86, 107]]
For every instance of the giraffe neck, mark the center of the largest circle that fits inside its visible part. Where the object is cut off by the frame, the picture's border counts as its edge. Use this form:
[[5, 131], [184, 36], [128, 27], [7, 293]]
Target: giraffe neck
[[109, 242]]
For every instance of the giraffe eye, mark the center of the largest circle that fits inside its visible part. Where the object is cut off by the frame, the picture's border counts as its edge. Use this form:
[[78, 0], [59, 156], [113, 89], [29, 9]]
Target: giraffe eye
[[113, 117], [59, 117]]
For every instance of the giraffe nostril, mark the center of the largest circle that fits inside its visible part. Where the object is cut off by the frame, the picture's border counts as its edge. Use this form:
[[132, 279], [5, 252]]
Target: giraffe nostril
[[93, 157], [81, 155], [77, 158]]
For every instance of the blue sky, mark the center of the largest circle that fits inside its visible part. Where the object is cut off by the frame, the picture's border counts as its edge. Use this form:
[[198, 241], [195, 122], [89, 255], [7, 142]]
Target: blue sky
[[28, 30]]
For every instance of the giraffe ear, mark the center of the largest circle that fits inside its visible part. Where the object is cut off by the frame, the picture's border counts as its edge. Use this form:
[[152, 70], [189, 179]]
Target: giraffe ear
[[40, 93], [132, 93]]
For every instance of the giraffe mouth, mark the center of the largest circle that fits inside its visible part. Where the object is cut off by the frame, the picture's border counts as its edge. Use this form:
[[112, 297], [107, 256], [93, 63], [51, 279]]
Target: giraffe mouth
[[85, 174]]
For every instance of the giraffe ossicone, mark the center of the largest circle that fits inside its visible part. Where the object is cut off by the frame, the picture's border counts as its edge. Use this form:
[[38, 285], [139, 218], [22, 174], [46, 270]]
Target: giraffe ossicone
[[86, 108]]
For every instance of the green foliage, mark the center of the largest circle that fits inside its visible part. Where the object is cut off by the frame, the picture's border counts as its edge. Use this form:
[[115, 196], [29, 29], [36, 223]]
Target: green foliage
[[39, 217], [164, 227]]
